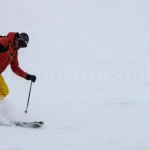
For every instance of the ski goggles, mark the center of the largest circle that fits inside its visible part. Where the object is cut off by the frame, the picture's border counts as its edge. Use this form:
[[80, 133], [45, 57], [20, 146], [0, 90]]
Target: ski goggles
[[23, 41]]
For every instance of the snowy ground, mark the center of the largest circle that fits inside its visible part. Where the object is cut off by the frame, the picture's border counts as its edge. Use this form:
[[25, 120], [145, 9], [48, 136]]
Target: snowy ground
[[91, 59]]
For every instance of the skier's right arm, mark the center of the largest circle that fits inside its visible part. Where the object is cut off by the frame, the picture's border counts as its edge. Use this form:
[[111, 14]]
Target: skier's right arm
[[4, 44]]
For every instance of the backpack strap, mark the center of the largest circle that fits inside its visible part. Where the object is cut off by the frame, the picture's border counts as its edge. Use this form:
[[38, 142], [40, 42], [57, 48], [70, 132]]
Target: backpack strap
[[2, 48]]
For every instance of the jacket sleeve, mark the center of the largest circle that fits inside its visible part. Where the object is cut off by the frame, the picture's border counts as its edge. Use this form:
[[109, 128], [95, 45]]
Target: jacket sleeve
[[4, 44], [15, 67]]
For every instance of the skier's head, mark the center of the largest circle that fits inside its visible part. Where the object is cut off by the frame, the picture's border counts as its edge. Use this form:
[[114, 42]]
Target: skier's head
[[23, 39]]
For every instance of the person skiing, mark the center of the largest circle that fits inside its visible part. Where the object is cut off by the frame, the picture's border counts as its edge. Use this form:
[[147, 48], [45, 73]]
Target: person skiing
[[9, 46]]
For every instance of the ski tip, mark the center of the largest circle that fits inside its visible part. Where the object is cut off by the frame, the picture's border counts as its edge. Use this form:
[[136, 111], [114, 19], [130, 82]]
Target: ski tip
[[41, 122]]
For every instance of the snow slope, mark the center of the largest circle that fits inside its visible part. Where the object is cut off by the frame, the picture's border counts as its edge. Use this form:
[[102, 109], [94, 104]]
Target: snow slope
[[91, 59]]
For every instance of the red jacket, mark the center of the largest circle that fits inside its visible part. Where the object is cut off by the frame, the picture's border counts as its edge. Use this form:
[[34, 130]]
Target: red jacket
[[11, 55]]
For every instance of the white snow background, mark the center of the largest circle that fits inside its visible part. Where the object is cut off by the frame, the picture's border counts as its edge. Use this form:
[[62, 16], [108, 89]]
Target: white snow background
[[92, 62]]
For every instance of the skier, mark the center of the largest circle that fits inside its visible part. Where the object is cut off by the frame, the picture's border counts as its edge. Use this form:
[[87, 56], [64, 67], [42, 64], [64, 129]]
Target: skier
[[9, 46]]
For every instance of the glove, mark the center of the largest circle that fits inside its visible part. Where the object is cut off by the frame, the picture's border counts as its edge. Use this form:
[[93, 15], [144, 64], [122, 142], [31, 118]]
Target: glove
[[31, 77]]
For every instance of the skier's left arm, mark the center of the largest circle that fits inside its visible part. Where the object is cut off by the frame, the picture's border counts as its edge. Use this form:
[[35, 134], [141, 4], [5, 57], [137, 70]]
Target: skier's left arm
[[18, 71]]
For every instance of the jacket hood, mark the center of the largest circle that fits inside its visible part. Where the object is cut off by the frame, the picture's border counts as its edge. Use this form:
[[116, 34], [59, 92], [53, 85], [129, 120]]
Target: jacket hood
[[12, 36]]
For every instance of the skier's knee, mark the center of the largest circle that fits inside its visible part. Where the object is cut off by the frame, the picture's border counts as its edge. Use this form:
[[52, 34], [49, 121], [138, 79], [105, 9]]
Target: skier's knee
[[4, 92]]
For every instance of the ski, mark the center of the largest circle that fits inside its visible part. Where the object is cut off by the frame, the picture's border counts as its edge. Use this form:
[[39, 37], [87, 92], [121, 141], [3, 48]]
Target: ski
[[35, 124]]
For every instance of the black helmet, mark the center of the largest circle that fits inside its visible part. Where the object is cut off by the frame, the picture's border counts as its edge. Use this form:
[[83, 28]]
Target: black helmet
[[23, 39]]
